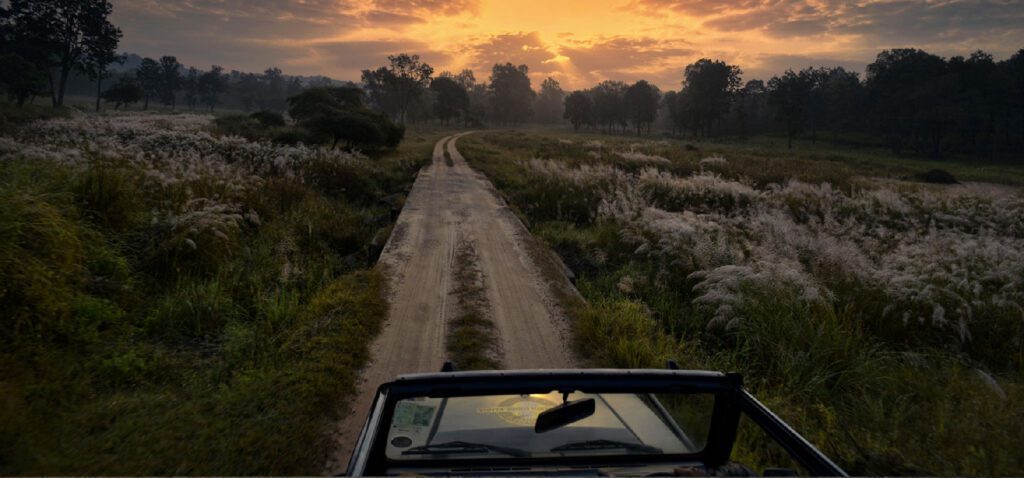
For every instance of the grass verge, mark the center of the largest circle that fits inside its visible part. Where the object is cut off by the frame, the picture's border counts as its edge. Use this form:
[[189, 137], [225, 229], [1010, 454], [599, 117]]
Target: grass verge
[[471, 342]]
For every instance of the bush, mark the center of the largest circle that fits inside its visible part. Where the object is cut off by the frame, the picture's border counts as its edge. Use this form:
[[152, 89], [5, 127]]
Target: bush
[[292, 135], [269, 119], [238, 124]]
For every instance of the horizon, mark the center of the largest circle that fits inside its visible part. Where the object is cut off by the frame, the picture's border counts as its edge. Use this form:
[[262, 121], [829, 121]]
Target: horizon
[[629, 40]]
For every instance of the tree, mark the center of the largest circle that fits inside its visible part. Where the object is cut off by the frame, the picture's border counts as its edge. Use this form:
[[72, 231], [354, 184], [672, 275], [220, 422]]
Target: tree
[[749, 102], [579, 109], [609, 104], [510, 94], [338, 114], [450, 98], [394, 88], [211, 85], [170, 81], [100, 52], [788, 94], [190, 86], [249, 89], [478, 101], [708, 88], [844, 101], [20, 78], [125, 92], [549, 101], [148, 76], [64, 34], [903, 90], [673, 103], [273, 94], [641, 103]]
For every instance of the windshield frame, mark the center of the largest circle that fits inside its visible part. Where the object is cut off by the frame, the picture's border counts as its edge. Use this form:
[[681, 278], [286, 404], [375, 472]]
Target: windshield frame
[[369, 457]]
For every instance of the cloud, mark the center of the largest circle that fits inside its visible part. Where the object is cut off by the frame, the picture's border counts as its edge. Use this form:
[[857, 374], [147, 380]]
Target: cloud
[[626, 58], [625, 39], [516, 48]]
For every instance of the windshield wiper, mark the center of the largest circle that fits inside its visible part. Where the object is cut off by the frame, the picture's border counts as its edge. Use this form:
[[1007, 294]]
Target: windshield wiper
[[607, 445], [463, 447]]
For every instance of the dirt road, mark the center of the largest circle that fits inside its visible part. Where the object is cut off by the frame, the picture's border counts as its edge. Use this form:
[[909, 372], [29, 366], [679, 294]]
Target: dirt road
[[451, 203]]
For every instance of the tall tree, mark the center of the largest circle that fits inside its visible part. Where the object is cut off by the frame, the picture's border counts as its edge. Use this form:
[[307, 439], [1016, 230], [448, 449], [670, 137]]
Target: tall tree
[[394, 88], [673, 104], [273, 94], [641, 102], [148, 76], [609, 104], [190, 87], [170, 81], [709, 86], [549, 101], [450, 99], [903, 90], [65, 33], [510, 93], [789, 94], [844, 95], [579, 109], [749, 104], [211, 84]]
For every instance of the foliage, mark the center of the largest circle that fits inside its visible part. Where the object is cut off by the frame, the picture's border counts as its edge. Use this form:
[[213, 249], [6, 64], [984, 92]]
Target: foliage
[[865, 312], [338, 114], [393, 88], [450, 99], [123, 93], [510, 95], [161, 285], [61, 37]]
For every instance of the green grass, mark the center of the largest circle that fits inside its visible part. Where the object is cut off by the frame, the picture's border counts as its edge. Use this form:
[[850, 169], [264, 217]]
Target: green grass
[[875, 401], [128, 352], [471, 342]]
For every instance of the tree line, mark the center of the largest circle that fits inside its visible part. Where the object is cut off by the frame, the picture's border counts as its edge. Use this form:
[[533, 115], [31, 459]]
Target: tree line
[[909, 100]]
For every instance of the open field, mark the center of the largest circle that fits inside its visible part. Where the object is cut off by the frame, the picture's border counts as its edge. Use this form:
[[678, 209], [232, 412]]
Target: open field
[[882, 318], [176, 302]]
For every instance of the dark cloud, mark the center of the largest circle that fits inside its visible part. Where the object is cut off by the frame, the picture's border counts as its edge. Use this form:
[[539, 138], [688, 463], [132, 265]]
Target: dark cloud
[[904, 22]]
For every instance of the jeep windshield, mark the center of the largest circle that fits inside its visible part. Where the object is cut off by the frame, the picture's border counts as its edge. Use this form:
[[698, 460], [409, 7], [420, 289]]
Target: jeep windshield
[[461, 428]]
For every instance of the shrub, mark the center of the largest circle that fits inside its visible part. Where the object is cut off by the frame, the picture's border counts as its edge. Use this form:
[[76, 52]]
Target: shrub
[[269, 119], [238, 124]]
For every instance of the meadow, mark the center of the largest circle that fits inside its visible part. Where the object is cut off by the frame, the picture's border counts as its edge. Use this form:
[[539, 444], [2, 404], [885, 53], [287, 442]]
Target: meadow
[[880, 315], [176, 300]]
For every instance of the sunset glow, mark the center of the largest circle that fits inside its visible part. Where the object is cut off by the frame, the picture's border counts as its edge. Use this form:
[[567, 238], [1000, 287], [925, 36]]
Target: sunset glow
[[577, 42]]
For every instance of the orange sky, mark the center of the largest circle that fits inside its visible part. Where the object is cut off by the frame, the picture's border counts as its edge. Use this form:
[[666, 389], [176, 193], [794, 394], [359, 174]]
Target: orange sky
[[577, 42]]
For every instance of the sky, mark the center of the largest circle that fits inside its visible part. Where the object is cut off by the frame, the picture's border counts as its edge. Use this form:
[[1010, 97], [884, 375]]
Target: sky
[[577, 42]]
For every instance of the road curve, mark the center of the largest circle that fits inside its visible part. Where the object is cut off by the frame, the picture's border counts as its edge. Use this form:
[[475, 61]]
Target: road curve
[[451, 203]]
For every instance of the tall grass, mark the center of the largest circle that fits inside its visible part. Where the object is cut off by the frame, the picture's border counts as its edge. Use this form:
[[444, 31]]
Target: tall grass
[[178, 302], [865, 310]]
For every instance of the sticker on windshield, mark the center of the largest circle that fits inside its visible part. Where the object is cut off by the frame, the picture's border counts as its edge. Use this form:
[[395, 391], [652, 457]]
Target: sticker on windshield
[[412, 415], [518, 410]]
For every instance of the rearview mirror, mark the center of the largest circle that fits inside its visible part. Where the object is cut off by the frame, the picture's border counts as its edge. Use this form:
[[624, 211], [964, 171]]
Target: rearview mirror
[[564, 414]]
